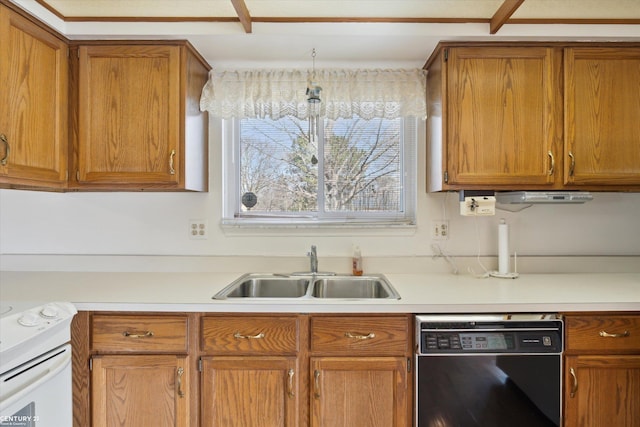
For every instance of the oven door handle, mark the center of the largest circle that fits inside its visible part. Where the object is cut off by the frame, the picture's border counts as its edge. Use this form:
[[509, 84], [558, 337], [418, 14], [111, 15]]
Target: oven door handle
[[45, 369]]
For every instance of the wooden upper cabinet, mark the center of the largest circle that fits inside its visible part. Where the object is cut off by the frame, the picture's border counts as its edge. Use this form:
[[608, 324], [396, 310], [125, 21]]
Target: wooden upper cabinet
[[33, 112], [602, 109], [497, 118], [498, 114], [138, 121]]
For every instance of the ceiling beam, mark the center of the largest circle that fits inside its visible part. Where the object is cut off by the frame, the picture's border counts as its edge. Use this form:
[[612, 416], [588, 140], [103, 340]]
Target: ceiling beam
[[243, 14], [503, 14]]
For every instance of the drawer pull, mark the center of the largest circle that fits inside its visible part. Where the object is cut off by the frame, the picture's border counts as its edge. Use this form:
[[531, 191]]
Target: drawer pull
[[358, 336], [574, 386], [290, 385], [147, 334], [316, 384], [606, 334], [179, 375], [239, 336]]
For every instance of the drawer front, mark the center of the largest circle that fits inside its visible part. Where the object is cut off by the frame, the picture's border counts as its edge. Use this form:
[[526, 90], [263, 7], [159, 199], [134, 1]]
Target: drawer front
[[603, 334], [364, 335], [139, 334], [250, 335]]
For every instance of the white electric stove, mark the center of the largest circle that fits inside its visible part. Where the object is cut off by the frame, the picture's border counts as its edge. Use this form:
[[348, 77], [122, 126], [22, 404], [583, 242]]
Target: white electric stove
[[35, 364]]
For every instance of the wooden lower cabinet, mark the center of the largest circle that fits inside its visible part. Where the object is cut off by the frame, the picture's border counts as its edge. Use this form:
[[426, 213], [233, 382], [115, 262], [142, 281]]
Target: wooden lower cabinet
[[140, 390], [249, 391], [359, 392], [602, 370], [241, 370], [602, 391], [359, 374]]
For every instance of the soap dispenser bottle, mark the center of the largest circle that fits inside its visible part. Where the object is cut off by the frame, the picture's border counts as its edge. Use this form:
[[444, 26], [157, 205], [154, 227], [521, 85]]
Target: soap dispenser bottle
[[357, 261]]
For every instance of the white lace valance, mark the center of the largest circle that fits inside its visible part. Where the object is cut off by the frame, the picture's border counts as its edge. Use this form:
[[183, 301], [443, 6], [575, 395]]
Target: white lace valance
[[278, 93]]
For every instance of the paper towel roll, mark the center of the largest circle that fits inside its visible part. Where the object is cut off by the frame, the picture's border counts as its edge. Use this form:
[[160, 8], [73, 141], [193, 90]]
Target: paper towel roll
[[503, 247]]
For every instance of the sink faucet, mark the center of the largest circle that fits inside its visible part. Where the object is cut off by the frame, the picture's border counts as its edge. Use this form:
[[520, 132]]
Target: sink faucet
[[313, 258]]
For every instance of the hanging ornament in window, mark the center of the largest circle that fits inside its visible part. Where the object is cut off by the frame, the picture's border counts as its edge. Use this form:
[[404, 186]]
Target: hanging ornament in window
[[249, 199], [314, 101]]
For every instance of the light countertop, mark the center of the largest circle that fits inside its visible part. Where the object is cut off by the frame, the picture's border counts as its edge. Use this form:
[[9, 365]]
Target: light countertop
[[420, 293]]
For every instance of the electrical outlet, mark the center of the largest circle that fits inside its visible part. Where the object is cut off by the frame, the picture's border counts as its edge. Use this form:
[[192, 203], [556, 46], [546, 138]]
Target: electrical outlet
[[439, 230], [198, 229]]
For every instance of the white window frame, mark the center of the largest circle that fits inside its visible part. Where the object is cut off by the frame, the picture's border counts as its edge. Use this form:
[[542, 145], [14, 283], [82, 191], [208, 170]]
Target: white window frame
[[230, 136]]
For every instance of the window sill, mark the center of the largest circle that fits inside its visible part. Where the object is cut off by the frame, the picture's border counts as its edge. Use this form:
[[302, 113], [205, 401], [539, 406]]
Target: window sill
[[315, 227]]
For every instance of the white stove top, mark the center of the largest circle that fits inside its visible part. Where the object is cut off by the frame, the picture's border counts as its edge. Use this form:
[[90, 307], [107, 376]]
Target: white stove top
[[28, 329]]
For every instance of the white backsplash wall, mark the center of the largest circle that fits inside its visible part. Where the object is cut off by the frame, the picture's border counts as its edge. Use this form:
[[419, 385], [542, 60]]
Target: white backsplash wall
[[157, 224]]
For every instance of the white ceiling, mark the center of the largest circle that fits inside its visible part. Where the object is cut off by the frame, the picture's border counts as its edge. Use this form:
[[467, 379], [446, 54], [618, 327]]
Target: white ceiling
[[355, 33]]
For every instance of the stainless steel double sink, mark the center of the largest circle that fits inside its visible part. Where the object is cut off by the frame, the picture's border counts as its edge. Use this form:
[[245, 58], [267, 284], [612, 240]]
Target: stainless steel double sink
[[277, 286]]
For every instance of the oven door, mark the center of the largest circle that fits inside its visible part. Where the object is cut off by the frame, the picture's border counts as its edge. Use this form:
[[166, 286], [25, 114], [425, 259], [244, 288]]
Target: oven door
[[488, 390], [38, 393]]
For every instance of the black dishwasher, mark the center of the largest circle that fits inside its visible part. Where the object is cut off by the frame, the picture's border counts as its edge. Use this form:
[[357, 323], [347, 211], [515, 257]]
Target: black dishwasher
[[495, 370]]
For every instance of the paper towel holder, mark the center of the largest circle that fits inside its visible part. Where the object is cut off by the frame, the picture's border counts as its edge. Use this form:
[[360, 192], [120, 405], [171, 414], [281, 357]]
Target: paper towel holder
[[504, 258]]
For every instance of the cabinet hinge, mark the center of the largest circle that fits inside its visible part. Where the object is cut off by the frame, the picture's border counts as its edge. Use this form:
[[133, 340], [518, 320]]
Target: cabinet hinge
[[200, 365], [91, 364], [446, 177], [446, 54], [408, 365]]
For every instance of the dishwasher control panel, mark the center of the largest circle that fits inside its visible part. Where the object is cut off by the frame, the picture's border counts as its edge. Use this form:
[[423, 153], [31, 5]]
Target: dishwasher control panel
[[488, 336]]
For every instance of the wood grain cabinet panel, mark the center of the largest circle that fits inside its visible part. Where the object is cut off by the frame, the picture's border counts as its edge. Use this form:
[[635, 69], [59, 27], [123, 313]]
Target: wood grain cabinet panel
[[135, 390], [495, 118], [33, 113], [250, 391], [602, 391], [602, 109], [602, 370], [139, 334], [359, 371], [359, 392], [603, 334], [251, 335], [527, 116], [363, 335], [137, 120]]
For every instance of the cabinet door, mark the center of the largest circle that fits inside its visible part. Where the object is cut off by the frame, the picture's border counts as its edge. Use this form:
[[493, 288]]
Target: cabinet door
[[359, 392], [129, 115], [602, 391], [135, 391], [33, 111], [504, 116], [249, 391], [602, 110]]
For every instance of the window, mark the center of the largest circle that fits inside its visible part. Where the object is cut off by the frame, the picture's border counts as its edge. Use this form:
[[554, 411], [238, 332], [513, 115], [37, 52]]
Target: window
[[356, 172]]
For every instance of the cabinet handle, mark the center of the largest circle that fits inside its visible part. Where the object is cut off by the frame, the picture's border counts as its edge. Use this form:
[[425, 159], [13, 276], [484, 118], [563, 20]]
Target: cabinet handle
[[239, 336], [172, 171], [358, 336], [552, 168], [574, 386], [573, 163], [3, 138], [606, 334], [147, 334], [290, 391], [316, 384], [179, 375]]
